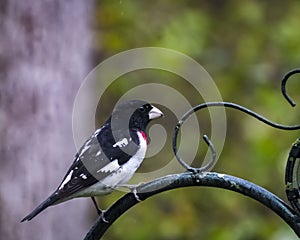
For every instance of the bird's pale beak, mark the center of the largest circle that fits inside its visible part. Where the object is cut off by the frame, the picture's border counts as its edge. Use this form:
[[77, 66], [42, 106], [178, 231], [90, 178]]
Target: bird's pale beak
[[155, 113]]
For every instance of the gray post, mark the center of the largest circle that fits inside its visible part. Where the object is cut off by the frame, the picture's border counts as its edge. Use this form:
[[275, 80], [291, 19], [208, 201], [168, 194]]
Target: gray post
[[44, 56]]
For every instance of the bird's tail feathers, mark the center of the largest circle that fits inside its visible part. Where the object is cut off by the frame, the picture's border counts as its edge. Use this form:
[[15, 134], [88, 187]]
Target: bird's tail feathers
[[48, 202]]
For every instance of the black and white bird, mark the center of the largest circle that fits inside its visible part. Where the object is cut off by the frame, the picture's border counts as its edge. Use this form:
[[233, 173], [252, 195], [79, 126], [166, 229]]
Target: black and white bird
[[109, 158]]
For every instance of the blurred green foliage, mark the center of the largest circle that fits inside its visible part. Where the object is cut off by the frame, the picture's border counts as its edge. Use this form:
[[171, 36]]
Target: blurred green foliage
[[246, 46]]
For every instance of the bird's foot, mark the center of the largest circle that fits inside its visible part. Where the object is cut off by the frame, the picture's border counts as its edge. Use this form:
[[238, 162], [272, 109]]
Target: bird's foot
[[133, 190], [100, 212]]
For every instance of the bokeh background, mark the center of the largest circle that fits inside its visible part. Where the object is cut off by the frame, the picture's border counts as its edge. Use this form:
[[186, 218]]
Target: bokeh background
[[246, 46]]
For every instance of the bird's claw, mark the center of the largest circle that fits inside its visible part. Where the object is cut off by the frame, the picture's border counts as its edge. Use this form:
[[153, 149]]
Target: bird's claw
[[133, 190], [101, 215], [99, 211]]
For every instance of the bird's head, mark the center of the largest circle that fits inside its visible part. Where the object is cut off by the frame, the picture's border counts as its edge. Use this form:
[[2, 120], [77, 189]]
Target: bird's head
[[134, 114]]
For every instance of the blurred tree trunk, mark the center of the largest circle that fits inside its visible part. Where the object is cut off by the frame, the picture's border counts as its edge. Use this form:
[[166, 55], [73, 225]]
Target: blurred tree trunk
[[44, 56]]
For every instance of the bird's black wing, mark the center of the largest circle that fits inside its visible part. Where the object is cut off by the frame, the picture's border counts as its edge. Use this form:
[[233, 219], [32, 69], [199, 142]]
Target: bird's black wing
[[99, 157]]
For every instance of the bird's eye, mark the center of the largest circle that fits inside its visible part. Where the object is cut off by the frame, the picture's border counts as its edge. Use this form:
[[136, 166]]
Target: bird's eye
[[142, 109]]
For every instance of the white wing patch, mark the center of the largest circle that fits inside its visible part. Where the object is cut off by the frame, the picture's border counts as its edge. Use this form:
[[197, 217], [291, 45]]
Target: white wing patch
[[98, 153], [83, 176], [123, 173], [68, 178], [111, 167], [121, 143]]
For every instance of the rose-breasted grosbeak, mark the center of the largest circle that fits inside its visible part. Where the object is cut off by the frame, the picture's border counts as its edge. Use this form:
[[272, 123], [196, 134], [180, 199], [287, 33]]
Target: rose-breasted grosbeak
[[109, 158]]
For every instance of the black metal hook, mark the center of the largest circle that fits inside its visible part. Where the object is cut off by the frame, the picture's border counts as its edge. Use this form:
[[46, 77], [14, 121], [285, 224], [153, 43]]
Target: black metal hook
[[283, 85], [210, 145], [208, 166]]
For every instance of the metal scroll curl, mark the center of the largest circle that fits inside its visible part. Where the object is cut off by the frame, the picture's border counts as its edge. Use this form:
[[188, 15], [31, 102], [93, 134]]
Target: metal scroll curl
[[292, 175]]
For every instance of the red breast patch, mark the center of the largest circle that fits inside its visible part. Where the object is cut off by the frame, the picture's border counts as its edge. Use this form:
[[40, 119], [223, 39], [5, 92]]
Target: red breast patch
[[144, 136]]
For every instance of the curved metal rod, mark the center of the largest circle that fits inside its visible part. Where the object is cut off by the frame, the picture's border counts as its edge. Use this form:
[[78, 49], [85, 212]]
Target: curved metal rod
[[187, 179], [240, 108], [219, 104], [212, 149], [283, 84], [205, 168]]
